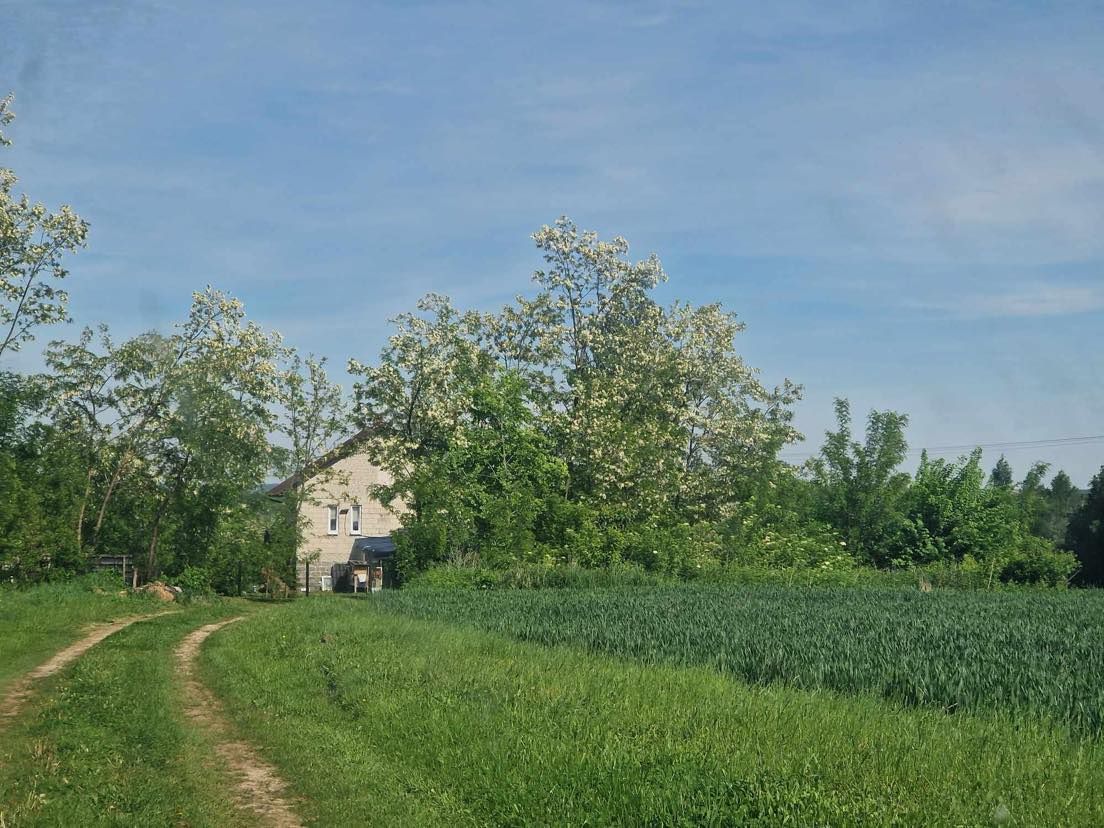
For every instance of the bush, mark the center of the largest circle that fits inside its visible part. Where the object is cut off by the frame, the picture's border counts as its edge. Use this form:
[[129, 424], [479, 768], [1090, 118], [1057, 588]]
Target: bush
[[534, 576], [454, 576], [1041, 564], [196, 583]]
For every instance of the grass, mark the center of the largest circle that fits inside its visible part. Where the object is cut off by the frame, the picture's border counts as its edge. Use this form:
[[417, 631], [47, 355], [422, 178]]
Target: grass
[[105, 744], [39, 621], [1031, 652], [377, 717]]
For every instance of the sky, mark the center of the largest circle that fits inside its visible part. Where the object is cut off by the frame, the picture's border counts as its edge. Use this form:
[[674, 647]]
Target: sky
[[903, 201]]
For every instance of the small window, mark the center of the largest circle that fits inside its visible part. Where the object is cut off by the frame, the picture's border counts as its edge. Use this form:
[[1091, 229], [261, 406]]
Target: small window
[[332, 515], [354, 520]]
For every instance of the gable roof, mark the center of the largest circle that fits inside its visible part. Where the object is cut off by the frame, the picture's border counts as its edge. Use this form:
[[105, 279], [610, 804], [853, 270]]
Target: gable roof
[[344, 449]]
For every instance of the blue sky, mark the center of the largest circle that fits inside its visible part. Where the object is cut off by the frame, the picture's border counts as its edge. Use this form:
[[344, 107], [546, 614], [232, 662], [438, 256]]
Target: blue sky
[[905, 202]]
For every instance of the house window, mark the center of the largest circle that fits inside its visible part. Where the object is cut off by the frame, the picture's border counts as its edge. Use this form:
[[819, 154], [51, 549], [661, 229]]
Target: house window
[[332, 519], [354, 520]]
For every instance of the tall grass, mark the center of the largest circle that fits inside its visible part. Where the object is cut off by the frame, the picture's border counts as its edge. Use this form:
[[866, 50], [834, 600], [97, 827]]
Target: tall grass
[[1032, 652], [379, 719]]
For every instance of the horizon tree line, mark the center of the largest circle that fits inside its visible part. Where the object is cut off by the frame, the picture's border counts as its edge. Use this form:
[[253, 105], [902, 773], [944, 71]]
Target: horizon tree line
[[584, 424]]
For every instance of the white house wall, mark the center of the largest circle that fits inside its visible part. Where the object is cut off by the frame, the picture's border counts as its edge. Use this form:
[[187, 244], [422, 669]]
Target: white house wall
[[344, 484]]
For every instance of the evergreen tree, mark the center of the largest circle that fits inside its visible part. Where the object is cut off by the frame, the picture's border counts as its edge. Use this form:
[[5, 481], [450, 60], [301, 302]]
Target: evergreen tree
[[1062, 498], [1085, 535], [1001, 476]]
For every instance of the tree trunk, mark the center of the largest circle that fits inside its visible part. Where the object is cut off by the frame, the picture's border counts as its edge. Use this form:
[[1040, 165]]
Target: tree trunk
[[115, 477], [151, 557], [83, 507]]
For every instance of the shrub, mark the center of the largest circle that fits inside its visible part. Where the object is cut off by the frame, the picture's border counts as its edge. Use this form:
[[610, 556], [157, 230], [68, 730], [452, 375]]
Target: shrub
[[196, 582]]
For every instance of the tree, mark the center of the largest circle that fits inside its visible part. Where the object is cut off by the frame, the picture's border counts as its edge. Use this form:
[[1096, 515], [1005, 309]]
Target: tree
[[177, 426], [1001, 476], [82, 402], [33, 244], [952, 517], [1085, 533], [588, 410], [210, 439], [312, 417], [860, 490], [39, 482], [602, 338], [416, 408], [1031, 494], [654, 411], [729, 427], [1062, 498]]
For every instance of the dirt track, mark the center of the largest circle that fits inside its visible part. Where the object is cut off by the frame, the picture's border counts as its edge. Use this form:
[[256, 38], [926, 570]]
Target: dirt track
[[259, 787], [17, 695]]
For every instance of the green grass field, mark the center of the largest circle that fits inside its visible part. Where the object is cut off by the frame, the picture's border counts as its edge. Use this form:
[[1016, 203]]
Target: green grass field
[[650, 706], [447, 724]]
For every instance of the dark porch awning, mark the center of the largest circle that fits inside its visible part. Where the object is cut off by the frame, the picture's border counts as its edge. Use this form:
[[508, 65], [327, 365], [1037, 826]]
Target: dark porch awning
[[366, 550]]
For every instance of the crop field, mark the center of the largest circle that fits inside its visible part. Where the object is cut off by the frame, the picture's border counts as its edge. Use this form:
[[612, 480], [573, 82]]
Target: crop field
[[1029, 652]]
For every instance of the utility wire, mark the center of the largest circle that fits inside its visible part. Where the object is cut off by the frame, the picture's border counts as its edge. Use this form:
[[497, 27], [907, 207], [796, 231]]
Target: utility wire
[[1011, 445]]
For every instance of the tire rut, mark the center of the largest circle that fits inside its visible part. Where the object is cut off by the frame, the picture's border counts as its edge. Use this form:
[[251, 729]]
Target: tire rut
[[258, 786], [21, 691]]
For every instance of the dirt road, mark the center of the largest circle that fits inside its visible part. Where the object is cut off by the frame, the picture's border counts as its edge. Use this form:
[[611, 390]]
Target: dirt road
[[258, 787], [18, 694]]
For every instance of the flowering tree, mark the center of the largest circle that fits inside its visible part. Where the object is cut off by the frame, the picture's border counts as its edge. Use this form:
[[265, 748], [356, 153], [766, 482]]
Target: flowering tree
[[617, 416], [33, 243], [182, 420], [311, 417]]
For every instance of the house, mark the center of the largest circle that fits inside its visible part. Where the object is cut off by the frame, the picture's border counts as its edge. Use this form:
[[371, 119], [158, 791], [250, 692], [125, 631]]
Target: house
[[338, 509]]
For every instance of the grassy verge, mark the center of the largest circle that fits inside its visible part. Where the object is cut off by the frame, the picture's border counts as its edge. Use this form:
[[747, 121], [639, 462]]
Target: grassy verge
[[380, 718], [105, 743], [37, 622]]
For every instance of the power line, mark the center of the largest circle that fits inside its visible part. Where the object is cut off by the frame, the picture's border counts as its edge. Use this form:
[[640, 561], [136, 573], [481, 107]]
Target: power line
[[1011, 445]]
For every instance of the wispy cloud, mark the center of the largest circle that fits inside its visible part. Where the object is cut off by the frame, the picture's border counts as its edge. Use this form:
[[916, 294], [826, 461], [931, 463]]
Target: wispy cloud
[[849, 177], [1025, 301]]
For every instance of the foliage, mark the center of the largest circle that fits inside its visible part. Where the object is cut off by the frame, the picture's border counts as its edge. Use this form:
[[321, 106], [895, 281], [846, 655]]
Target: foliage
[[175, 425], [587, 424], [39, 473], [860, 488], [1061, 500], [195, 581], [1001, 476], [946, 514]]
